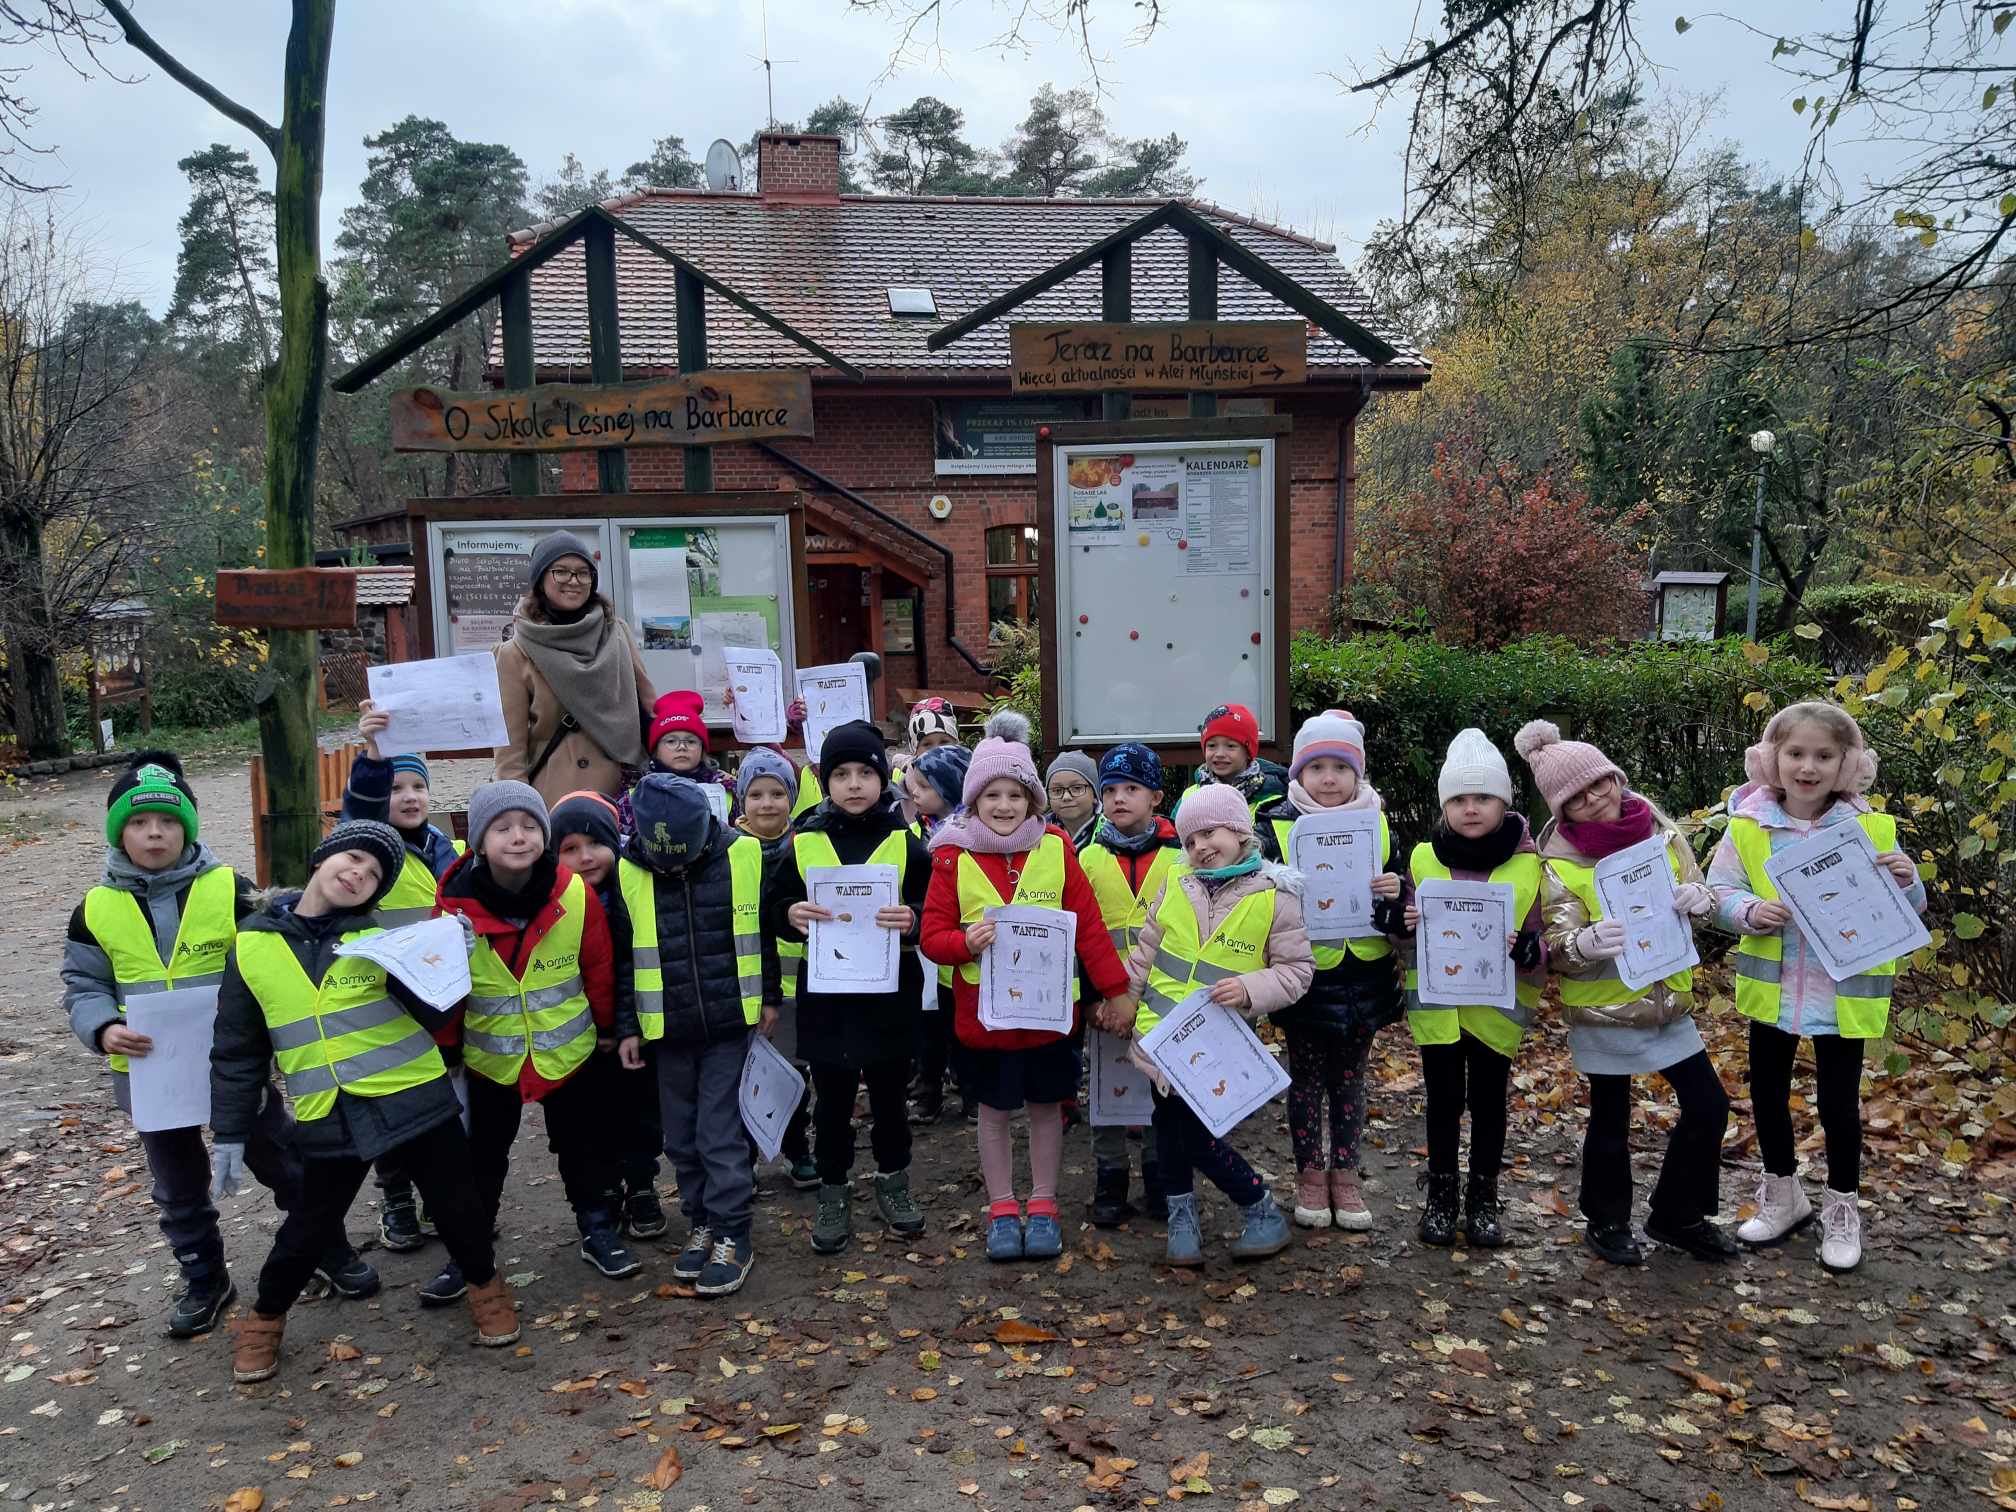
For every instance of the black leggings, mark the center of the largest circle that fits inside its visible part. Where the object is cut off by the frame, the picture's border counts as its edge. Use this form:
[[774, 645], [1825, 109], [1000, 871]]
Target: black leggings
[[1837, 1069], [1468, 1074], [1690, 1177]]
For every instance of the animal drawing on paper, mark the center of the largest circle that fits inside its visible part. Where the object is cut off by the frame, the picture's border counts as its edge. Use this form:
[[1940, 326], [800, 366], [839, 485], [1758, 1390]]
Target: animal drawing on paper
[[1322, 866], [433, 958], [1452, 934], [845, 918], [1323, 904], [1219, 1090], [1196, 1057], [1847, 935], [1454, 968]]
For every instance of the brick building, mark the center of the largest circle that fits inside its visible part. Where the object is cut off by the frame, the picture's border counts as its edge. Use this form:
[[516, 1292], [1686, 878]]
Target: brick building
[[921, 491]]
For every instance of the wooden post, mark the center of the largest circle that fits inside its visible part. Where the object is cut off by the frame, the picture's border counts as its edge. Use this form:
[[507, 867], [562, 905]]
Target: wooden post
[[871, 592], [605, 343], [1116, 302], [520, 372], [689, 300], [1203, 306]]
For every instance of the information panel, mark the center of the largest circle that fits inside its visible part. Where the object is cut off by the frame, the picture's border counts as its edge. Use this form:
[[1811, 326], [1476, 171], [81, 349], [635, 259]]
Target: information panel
[[481, 570]]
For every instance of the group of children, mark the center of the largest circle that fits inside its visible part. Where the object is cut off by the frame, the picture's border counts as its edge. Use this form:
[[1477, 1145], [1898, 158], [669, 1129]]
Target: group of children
[[622, 954]]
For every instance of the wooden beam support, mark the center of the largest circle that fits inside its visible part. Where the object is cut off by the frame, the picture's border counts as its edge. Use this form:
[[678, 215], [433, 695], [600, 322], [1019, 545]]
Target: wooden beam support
[[1116, 302], [1203, 279], [515, 306], [689, 299], [605, 341]]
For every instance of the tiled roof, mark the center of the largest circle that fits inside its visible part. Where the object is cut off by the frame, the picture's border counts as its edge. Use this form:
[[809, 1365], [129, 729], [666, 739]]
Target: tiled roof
[[826, 270], [384, 585]]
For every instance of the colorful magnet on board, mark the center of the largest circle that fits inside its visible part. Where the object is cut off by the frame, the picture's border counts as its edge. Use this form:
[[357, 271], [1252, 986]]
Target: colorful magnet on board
[[1182, 545], [1256, 637], [1133, 635], [1084, 619], [1245, 593], [1142, 539]]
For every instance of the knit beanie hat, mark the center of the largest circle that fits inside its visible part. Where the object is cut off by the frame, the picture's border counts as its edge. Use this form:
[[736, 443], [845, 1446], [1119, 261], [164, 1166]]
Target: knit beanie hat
[[945, 768], [672, 819], [586, 813], [1234, 722], [1473, 765], [677, 710], [1858, 762], [856, 740], [1334, 732], [413, 761], [932, 716], [761, 761], [494, 800], [152, 782], [1561, 768], [562, 543], [1131, 761], [1216, 804], [1004, 753], [1073, 761], [379, 841]]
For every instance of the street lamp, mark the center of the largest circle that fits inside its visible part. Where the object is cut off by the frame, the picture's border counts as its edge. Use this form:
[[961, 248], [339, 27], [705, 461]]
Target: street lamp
[[1763, 443]]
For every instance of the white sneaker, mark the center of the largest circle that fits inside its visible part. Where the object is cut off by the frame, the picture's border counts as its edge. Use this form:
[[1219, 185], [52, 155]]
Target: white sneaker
[[1783, 1208], [1840, 1230]]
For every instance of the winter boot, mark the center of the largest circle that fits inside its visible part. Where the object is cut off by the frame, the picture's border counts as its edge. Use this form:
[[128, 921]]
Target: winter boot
[[1154, 1201], [256, 1355], [347, 1274], [197, 1310], [1110, 1207], [603, 1248], [1783, 1208], [399, 1222], [495, 1311], [1186, 1240], [1482, 1224], [1614, 1243], [643, 1214], [1042, 1239], [1312, 1199], [1840, 1230], [1700, 1238], [804, 1174], [446, 1287], [833, 1227], [1347, 1202], [898, 1208], [1438, 1213], [1265, 1232]]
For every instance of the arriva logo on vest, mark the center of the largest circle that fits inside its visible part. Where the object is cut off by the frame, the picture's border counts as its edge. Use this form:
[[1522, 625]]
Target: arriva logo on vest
[[352, 976], [561, 963], [1237, 947]]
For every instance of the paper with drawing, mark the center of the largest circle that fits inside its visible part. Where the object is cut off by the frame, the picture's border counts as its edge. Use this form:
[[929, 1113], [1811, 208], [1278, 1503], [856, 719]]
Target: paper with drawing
[[1850, 909], [430, 957], [449, 704], [1461, 954], [1337, 852], [1213, 1060], [756, 678], [833, 695], [1636, 889], [1121, 1093], [769, 1094], [1028, 976], [850, 952]]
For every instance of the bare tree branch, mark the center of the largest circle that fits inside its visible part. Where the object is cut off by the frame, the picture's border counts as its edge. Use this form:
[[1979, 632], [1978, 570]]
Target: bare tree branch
[[202, 88]]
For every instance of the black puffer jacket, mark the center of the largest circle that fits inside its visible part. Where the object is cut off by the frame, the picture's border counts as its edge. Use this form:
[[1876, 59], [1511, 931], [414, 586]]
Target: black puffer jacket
[[696, 942], [1354, 996], [241, 1054]]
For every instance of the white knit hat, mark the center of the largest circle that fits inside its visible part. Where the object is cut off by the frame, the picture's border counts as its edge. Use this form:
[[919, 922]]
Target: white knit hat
[[1334, 732], [1474, 765]]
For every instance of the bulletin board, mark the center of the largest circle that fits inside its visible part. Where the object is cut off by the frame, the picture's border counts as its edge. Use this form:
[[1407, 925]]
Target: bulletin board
[[1164, 546]]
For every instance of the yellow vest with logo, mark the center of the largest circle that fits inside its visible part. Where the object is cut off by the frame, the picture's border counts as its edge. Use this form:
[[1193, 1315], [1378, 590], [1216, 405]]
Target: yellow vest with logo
[[544, 1013], [1183, 963], [1603, 985], [202, 940], [1123, 909], [346, 1033], [1041, 885], [1862, 1003], [640, 896], [411, 896], [1500, 1028], [811, 848], [1330, 954]]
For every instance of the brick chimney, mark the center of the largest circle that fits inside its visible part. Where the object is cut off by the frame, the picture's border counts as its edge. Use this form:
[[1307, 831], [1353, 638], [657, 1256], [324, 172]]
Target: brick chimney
[[798, 167]]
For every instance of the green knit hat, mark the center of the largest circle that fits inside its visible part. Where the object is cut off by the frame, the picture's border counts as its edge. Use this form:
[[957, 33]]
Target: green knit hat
[[152, 783]]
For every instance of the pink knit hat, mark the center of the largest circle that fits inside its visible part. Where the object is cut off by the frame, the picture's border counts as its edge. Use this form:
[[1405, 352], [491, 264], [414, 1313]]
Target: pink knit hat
[[1214, 804], [1561, 768], [1004, 753]]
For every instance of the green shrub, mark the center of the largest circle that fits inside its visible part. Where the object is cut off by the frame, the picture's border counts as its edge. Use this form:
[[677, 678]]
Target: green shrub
[[1860, 622]]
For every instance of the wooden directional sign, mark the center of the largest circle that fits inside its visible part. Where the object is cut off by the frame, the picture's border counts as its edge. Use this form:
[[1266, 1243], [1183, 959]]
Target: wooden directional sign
[[692, 409], [305, 598], [1049, 357]]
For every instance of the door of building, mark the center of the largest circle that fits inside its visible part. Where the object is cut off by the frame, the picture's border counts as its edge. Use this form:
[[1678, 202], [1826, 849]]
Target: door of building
[[839, 612]]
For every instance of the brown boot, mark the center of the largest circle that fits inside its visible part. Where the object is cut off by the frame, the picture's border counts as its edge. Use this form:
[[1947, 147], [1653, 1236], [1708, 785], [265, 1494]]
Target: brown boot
[[256, 1356], [495, 1311]]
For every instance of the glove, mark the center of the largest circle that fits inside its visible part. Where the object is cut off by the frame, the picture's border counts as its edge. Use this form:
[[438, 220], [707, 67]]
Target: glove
[[1692, 899], [1526, 949], [468, 933], [1602, 941], [227, 1170]]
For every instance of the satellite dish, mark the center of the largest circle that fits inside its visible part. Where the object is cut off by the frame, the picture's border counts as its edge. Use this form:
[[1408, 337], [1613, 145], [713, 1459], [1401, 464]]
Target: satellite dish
[[724, 166]]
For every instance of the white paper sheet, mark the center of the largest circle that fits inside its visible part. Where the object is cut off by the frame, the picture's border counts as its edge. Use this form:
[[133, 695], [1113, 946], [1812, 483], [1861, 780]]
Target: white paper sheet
[[1214, 1061], [715, 632], [430, 957], [1851, 910], [449, 704], [1029, 975], [171, 1083], [1121, 1093], [1337, 852], [1461, 955], [1636, 888], [833, 695], [851, 952], [756, 677], [769, 1094]]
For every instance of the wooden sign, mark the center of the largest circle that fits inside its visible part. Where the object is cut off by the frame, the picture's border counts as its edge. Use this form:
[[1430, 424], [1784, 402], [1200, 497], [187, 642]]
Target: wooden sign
[[692, 409], [1049, 357], [305, 598]]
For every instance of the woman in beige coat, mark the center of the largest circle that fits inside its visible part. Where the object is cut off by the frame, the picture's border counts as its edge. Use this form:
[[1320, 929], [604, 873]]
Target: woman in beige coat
[[576, 697]]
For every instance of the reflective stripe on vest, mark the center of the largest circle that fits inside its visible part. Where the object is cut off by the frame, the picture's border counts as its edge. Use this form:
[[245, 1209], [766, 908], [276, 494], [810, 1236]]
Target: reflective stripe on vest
[[640, 896], [1862, 1003], [345, 1033], [1522, 874], [1123, 909], [1182, 965], [411, 897], [811, 849], [809, 792], [544, 1013], [1330, 955], [1603, 985], [202, 939], [1041, 885]]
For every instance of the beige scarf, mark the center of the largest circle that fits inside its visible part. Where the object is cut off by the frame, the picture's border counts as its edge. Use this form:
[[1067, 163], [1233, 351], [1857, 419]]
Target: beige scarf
[[589, 666]]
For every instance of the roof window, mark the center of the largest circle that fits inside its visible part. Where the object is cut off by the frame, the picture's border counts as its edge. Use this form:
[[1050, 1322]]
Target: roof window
[[903, 301]]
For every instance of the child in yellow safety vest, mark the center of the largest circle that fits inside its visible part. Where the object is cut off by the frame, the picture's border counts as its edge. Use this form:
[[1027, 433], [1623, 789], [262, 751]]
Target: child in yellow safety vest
[[365, 1076], [1229, 920], [1616, 1032], [933, 787], [1807, 774], [1230, 738], [1466, 1052], [1356, 991], [765, 782]]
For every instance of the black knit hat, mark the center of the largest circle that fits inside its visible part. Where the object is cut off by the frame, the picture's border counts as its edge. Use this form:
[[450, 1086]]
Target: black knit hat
[[152, 781], [857, 740], [381, 842]]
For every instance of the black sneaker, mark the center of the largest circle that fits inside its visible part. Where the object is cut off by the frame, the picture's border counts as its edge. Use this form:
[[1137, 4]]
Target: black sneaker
[[399, 1226], [197, 1310], [693, 1258], [928, 1106], [643, 1216], [1614, 1243], [604, 1249], [348, 1274], [1701, 1239], [726, 1269], [804, 1174], [446, 1288], [1439, 1212], [1110, 1207], [1482, 1225]]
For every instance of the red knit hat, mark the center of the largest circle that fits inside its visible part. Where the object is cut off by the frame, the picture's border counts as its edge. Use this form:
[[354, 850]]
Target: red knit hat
[[1234, 722], [677, 711]]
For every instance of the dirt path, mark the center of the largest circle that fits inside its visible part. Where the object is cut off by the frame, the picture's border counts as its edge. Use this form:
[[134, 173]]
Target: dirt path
[[1351, 1371]]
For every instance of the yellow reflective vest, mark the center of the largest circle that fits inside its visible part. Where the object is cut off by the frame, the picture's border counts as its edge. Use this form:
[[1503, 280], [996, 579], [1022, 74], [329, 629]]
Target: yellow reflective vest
[[1330, 954], [543, 1014], [119, 924], [640, 897], [811, 848], [1183, 963], [1602, 986], [1500, 1028], [411, 896], [1123, 909], [1041, 885], [809, 791]]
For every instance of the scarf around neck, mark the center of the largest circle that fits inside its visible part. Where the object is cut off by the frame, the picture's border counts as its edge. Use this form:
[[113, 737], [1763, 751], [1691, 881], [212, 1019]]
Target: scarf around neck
[[1484, 854], [1596, 839], [589, 667], [1149, 839], [1367, 797], [969, 831]]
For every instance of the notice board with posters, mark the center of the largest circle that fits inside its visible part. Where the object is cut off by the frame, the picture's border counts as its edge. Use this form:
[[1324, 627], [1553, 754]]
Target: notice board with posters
[[1164, 548], [996, 436]]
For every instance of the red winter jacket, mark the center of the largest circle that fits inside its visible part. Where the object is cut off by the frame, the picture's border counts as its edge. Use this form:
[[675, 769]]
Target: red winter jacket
[[943, 938], [514, 946]]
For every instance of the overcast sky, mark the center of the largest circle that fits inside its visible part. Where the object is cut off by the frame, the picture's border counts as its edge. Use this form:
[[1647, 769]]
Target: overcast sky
[[1269, 133]]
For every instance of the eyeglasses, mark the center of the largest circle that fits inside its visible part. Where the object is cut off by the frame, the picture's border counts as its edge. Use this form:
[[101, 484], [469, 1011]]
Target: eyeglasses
[[680, 742], [571, 574], [1070, 794]]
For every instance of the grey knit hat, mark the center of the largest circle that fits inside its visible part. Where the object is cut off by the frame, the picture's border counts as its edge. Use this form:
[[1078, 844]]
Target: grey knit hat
[[379, 841], [494, 800], [1073, 761], [562, 543]]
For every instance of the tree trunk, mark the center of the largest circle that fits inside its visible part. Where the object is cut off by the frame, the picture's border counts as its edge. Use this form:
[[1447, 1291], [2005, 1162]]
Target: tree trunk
[[41, 729], [287, 694]]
